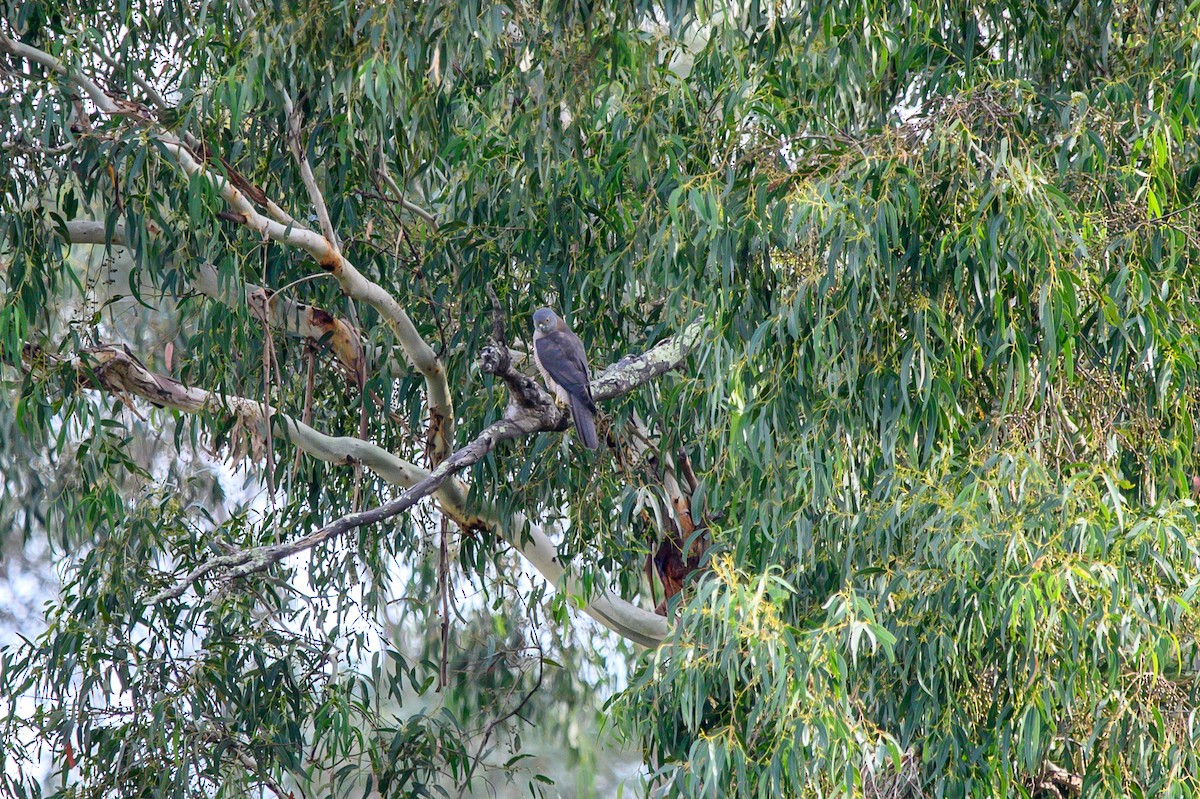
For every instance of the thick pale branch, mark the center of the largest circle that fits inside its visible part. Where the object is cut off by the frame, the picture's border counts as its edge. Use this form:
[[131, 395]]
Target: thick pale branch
[[113, 368], [620, 378], [620, 616], [88, 231], [1056, 779], [105, 103], [354, 284], [634, 370]]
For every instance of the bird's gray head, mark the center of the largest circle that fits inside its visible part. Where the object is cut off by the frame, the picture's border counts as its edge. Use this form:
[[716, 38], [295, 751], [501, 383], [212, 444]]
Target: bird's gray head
[[545, 320]]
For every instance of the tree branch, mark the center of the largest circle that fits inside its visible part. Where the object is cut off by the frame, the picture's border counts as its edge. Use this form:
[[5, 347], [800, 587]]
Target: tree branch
[[296, 318], [257, 559], [1056, 779], [356, 286], [151, 92], [537, 414], [679, 552], [105, 103], [217, 735], [617, 379], [634, 370], [306, 173], [87, 231], [115, 369], [412, 208]]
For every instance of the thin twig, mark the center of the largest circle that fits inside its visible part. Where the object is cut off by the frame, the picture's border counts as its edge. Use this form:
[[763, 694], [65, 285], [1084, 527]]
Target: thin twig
[[310, 382], [444, 597], [405, 204], [306, 173], [491, 727], [268, 352], [151, 92], [293, 284]]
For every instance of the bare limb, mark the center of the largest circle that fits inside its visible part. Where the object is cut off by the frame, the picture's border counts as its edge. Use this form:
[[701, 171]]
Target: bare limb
[[634, 370], [257, 559], [251, 765], [237, 745], [105, 103], [356, 286], [87, 231], [19, 145], [115, 369], [497, 317]]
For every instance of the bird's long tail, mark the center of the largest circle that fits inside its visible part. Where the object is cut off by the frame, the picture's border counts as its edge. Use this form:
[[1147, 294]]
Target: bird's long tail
[[585, 422]]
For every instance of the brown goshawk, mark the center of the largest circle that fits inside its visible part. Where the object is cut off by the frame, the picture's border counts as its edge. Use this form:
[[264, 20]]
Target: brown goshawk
[[561, 359]]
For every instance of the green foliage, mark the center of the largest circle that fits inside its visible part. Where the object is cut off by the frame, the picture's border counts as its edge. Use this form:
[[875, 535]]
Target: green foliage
[[995, 618], [942, 412]]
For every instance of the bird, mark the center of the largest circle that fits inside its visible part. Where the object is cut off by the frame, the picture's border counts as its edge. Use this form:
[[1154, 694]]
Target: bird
[[562, 360]]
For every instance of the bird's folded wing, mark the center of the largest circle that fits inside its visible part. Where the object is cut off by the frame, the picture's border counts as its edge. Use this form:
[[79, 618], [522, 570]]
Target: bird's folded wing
[[564, 360]]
